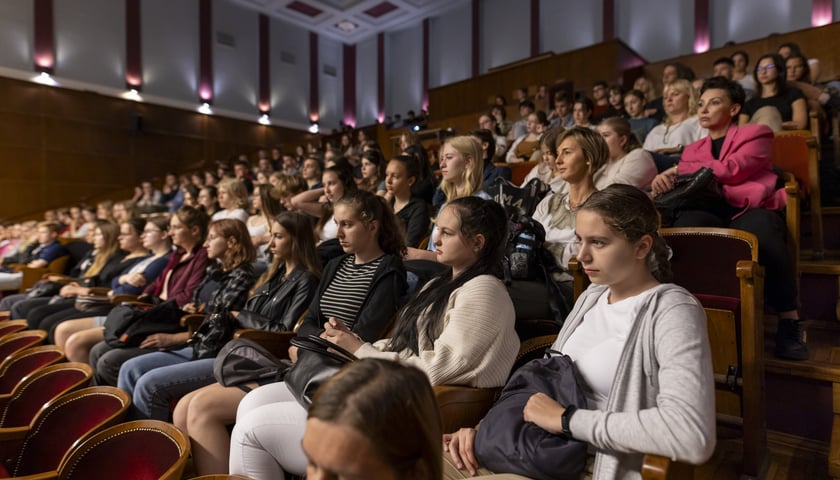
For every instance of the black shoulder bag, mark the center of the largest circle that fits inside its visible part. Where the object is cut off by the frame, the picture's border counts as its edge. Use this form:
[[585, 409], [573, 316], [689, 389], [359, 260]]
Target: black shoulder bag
[[318, 360]]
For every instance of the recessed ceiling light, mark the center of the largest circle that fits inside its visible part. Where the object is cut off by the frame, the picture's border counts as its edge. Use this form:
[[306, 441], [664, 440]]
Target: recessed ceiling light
[[346, 26]]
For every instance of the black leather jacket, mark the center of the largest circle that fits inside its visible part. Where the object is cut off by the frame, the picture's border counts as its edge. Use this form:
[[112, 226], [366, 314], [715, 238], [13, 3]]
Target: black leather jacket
[[278, 304]]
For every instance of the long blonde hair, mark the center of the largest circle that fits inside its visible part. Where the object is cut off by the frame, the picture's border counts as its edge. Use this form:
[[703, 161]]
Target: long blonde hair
[[110, 232], [473, 178]]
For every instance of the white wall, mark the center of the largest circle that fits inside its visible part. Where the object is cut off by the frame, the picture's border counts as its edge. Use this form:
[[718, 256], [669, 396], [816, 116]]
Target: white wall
[[331, 89], [752, 19], [404, 70], [569, 24], [170, 49], [16, 34], [90, 41], [656, 29], [450, 46], [505, 32], [366, 82], [236, 69], [289, 82]]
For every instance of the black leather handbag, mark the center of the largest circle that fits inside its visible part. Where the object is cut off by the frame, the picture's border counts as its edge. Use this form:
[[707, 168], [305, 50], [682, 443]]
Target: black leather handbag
[[693, 191], [213, 333], [318, 360]]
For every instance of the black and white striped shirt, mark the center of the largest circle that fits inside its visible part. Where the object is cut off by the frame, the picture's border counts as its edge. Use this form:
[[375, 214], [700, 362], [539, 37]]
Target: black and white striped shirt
[[346, 292]]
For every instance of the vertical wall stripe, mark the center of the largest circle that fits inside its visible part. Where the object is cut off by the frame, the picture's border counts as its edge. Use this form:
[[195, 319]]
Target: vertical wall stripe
[[476, 38], [426, 64], [822, 13], [264, 103], [701, 26], [44, 54], [205, 48], [609, 19], [133, 52], [314, 112], [535, 27], [380, 77], [350, 85]]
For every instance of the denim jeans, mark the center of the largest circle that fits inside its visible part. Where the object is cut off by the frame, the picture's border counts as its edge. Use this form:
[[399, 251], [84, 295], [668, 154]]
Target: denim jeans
[[158, 379]]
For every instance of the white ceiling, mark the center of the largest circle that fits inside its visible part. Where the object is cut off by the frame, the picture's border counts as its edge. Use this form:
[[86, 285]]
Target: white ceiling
[[369, 16]]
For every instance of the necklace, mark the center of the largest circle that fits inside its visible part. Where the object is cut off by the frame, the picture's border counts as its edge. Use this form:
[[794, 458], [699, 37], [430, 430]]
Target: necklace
[[668, 130]]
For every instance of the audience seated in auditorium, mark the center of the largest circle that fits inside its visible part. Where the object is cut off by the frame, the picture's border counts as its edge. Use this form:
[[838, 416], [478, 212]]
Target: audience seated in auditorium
[[311, 171], [582, 112], [634, 105], [500, 114], [629, 163], [266, 205], [790, 48], [487, 122], [350, 430], [178, 282], [546, 170], [462, 174], [681, 126], [580, 153], [412, 211], [208, 200], [491, 171], [39, 255], [147, 198], [788, 107], [741, 72], [561, 115], [156, 240], [600, 101], [741, 160], [671, 73], [519, 127], [157, 378], [426, 183], [524, 147], [435, 331], [649, 388], [373, 172], [233, 198]]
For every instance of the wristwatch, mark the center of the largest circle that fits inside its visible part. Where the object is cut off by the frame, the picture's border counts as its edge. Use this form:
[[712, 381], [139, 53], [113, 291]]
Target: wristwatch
[[566, 418]]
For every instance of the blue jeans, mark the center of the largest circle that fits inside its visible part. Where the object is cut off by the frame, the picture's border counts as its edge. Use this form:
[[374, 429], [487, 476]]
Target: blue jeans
[[156, 379]]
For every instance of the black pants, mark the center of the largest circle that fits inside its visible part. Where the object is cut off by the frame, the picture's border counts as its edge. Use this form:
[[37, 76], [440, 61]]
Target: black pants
[[768, 226]]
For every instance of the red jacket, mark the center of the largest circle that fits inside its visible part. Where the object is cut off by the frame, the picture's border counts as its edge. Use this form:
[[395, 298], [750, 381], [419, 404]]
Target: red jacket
[[744, 168]]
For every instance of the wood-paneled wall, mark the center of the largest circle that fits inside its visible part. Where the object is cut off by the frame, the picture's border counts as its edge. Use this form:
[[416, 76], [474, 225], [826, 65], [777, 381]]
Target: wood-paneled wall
[[822, 43], [604, 61], [60, 146]]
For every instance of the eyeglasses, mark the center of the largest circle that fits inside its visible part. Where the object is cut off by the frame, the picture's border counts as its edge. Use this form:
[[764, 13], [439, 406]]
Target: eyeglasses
[[765, 68]]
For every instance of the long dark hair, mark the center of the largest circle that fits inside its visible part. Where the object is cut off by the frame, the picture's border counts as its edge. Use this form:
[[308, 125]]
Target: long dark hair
[[426, 310], [299, 229], [344, 172]]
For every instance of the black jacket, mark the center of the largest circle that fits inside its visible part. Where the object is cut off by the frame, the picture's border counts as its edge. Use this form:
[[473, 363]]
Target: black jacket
[[277, 305], [385, 296]]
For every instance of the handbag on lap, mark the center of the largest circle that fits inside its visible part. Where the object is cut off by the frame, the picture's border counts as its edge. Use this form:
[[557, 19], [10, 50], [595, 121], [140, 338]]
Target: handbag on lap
[[127, 325], [318, 360], [692, 191], [506, 443]]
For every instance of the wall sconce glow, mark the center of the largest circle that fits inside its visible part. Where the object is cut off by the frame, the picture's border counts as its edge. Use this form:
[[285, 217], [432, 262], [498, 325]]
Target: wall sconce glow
[[205, 94], [264, 108], [820, 18], [44, 63], [264, 119], [313, 128], [701, 44], [132, 94], [205, 109], [45, 78]]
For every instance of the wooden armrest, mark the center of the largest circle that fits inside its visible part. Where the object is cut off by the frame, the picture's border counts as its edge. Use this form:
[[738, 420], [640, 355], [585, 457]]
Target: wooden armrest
[[100, 291], [657, 467], [277, 343], [463, 406], [124, 297], [13, 434], [192, 321]]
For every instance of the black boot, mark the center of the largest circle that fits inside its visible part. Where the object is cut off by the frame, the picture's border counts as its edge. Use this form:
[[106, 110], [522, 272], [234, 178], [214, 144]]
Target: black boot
[[790, 340]]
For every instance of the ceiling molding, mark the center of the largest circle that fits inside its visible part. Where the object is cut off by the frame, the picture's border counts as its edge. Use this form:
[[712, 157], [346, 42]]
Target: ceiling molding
[[324, 16]]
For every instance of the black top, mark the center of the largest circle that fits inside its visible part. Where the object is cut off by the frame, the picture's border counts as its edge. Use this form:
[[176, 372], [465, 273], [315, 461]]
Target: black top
[[717, 145], [415, 219], [782, 101]]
